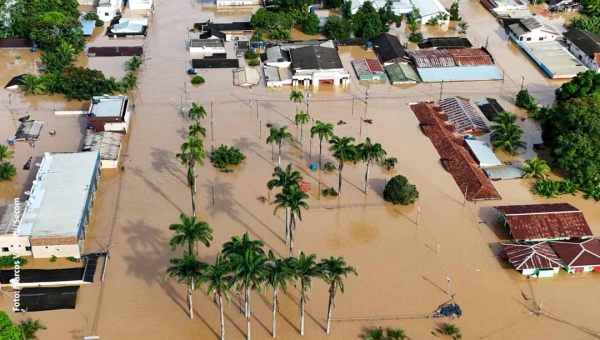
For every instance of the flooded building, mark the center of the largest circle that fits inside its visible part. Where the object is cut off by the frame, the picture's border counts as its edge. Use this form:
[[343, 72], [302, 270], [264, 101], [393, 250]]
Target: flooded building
[[109, 113], [128, 27], [15, 82], [29, 130], [483, 153], [277, 77], [107, 9], [445, 42], [389, 50], [276, 56], [108, 144], [206, 47], [503, 7], [585, 46], [140, 4], [60, 201], [316, 65], [246, 76], [368, 70], [579, 256], [463, 115], [428, 8], [464, 64], [532, 259], [221, 3], [9, 224], [528, 29], [402, 73]]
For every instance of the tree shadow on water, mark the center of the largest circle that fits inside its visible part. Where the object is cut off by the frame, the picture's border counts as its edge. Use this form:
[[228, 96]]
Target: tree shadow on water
[[139, 173], [164, 161], [246, 145]]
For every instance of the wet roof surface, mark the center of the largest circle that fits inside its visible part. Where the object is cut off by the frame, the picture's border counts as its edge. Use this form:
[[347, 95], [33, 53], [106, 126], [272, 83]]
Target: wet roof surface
[[388, 47], [107, 143], [315, 58], [462, 114], [531, 255], [586, 41], [206, 43], [29, 130], [578, 253], [366, 67]]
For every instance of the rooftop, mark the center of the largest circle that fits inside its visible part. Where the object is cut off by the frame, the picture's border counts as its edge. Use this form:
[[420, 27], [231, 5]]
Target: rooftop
[[401, 73], [451, 57], [315, 58], [524, 255], [489, 107], [130, 25], [109, 106], [388, 48], [545, 221], [503, 172], [275, 54], [465, 73], [471, 180], [15, 81], [445, 42], [29, 130], [555, 59], [578, 253], [6, 221], [462, 114], [206, 43], [59, 193], [586, 41], [87, 26], [107, 143], [246, 76], [483, 153], [366, 66]]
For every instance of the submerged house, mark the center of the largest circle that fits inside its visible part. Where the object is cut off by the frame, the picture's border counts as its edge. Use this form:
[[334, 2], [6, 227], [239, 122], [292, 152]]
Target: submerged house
[[29, 130], [108, 9], [109, 113], [317, 65], [463, 115], [532, 259], [276, 56], [368, 69], [207, 47], [402, 73], [246, 76], [528, 29], [108, 144], [579, 256], [389, 50], [585, 46], [428, 8]]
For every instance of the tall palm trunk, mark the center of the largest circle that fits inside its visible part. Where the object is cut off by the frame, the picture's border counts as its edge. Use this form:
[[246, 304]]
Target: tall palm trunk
[[287, 226], [190, 299], [302, 304], [275, 291], [332, 290], [301, 132], [292, 227], [367, 177], [221, 313], [340, 168], [279, 162], [194, 171], [248, 312], [192, 183], [320, 151]]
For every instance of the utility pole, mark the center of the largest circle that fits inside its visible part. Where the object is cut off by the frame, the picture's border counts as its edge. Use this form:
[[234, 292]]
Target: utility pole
[[522, 81], [260, 129], [367, 93], [353, 106], [212, 132], [182, 113], [448, 288], [211, 110], [441, 89], [361, 122], [486, 41], [418, 215], [539, 311]]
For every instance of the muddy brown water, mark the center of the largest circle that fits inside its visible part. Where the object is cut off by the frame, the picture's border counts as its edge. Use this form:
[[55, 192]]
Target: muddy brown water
[[399, 270]]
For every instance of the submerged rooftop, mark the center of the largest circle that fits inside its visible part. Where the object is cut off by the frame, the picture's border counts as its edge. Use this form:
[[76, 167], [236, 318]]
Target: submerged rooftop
[[108, 106]]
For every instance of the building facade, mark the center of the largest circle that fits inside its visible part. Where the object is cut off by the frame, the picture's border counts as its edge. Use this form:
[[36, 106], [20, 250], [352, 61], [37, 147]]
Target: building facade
[[107, 9], [585, 46], [109, 113]]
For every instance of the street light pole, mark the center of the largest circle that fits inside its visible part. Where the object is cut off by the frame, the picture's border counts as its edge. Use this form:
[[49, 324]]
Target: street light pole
[[448, 288]]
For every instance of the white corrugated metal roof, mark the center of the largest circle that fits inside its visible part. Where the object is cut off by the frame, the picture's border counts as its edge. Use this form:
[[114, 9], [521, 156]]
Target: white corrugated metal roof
[[483, 152], [59, 193], [108, 106]]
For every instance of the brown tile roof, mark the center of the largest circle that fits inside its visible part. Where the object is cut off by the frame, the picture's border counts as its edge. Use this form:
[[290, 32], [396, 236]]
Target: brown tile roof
[[367, 66], [458, 161], [451, 57], [524, 255], [578, 253], [545, 221], [463, 115]]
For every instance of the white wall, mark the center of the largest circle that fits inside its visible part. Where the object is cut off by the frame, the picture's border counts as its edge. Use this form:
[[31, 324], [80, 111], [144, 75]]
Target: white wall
[[110, 9], [585, 60], [221, 3], [106, 164], [206, 50], [57, 250], [535, 36], [8, 241], [115, 127], [140, 4]]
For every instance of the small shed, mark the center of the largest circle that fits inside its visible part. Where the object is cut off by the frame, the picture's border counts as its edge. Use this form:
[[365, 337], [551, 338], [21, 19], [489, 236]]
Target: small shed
[[401, 73], [532, 259], [482, 151], [29, 130], [246, 76], [14, 83], [579, 256], [368, 69]]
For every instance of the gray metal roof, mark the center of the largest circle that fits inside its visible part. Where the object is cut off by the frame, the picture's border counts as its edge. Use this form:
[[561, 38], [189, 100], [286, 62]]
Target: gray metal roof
[[271, 73], [107, 143], [462, 114], [6, 222], [59, 193], [108, 106], [206, 43], [29, 130], [503, 172], [483, 153], [402, 73]]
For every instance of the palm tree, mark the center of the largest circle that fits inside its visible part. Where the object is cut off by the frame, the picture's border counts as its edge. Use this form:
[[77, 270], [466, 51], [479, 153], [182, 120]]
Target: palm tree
[[238, 245], [305, 268], [133, 64], [343, 151], [535, 168], [219, 283], [29, 327], [284, 179], [196, 130], [278, 273], [375, 333], [396, 334], [507, 138], [7, 171], [297, 97], [302, 118], [333, 270], [197, 112], [292, 199], [323, 130], [31, 84], [129, 82], [370, 153], [5, 153], [277, 136], [249, 271], [450, 329], [113, 85], [189, 270], [192, 153], [190, 232]]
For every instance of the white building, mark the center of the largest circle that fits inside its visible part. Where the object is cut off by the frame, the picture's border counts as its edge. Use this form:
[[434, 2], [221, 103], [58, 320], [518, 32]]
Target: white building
[[529, 30], [206, 47], [9, 223], [109, 113], [107, 9], [585, 46], [428, 8], [316, 65], [276, 56], [55, 217], [276, 76], [140, 4], [108, 144]]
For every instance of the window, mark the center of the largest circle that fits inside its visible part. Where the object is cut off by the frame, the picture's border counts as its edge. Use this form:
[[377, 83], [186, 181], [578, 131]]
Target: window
[[28, 248], [5, 249], [105, 14], [541, 38], [520, 38], [529, 39], [580, 57]]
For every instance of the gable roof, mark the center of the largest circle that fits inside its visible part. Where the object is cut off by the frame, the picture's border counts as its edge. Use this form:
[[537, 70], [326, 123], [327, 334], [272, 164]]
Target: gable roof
[[366, 66], [246, 76], [388, 48], [586, 41], [545, 221], [401, 73], [578, 253], [315, 58], [483, 153], [489, 107], [524, 255], [462, 114]]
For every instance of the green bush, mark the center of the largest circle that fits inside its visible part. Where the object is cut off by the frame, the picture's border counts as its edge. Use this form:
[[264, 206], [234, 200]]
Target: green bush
[[250, 54], [254, 62], [94, 16], [525, 101], [329, 167], [399, 191], [224, 156], [549, 188], [72, 259], [329, 192], [53, 258], [197, 80], [8, 261]]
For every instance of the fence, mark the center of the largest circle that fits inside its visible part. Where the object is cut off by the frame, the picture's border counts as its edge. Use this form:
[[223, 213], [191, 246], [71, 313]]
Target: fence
[[115, 51], [16, 43]]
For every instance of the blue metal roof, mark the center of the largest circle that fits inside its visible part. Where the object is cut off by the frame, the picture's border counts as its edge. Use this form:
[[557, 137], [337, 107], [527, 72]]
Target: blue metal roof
[[462, 73], [88, 26]]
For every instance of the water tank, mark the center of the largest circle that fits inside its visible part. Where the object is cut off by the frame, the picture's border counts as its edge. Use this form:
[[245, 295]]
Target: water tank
[[311, 9], [260, 43], [254, 45], [118, 13], [369, 45]]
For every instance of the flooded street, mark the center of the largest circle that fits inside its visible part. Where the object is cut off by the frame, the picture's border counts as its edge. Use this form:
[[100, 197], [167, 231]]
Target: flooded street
[[400, 272]]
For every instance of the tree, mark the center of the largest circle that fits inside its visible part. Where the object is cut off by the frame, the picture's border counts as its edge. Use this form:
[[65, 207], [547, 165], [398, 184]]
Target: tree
[[395, 334], [192, 153], [334, 270], [535, 168], [337, 28], [591, 24], [413, 18], [8, 330], [81, 83], [257, 35], [277, 136], [292, 199], [219, 283], [302, 118], [278, 274], [347, 10], [196, 130], [297, 97], [7, 171], [187, 270], [129, 82], [324, 131], [225, 156], [399, 191], [375, 333], [30, 327], [454, 12], [463, 25], [279, 33], [506, 135], [31, 84], [370, 153], [5, 153], [367, 22], [249, 271], [450, 329], [525, 101], [582, 85], [387, 15], [238, 245], [343, 151], [59, 58], [189, 232], [197, 112], [311, 25], [285, 179], [133, 64], [305, 268], [590, 8]]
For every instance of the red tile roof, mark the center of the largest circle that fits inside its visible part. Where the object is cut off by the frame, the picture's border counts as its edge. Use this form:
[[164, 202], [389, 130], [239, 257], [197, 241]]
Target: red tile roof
[[545, 221], [524, 255], [463, 115], [367, 66], [458, 161], [578, 253]]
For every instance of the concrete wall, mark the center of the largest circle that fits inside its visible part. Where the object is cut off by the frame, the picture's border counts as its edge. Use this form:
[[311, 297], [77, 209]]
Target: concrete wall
[[221, 3], [8, 241], [66, 250], [585, 60], [140, 4], [534, 36]]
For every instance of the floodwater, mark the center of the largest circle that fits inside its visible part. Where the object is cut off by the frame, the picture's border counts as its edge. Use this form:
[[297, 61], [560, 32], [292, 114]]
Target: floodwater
[[400, 272]]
